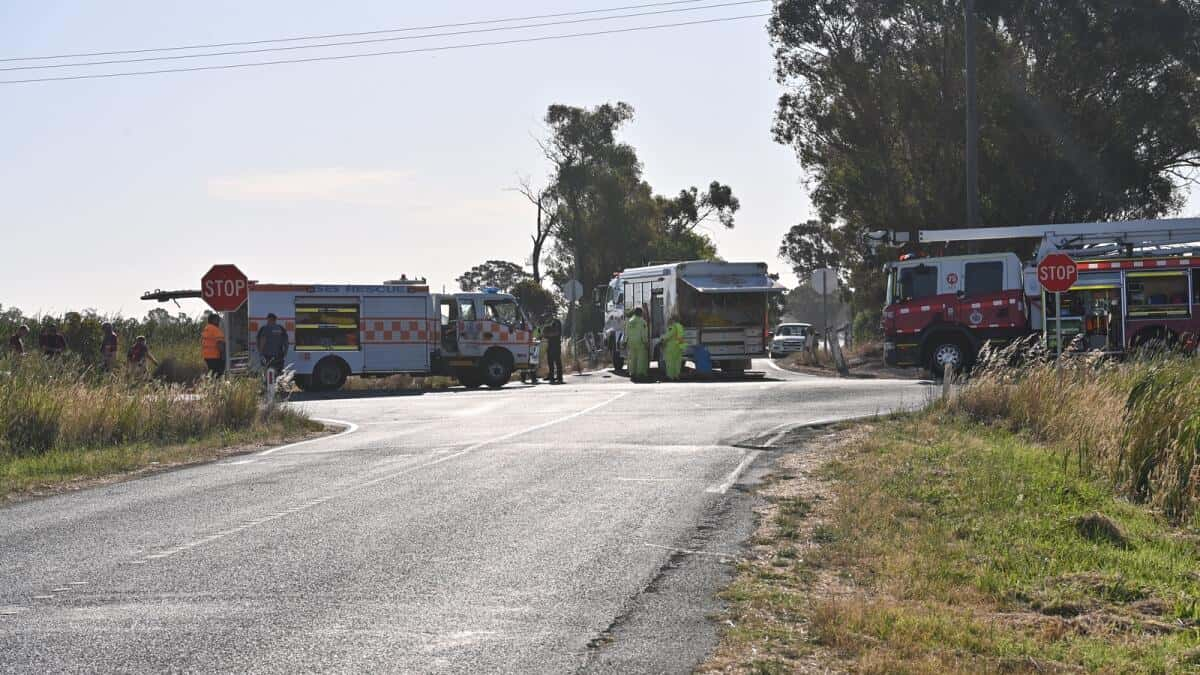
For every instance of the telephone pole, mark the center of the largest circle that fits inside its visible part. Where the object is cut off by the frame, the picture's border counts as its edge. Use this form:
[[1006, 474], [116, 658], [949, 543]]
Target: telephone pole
[[972, 117]]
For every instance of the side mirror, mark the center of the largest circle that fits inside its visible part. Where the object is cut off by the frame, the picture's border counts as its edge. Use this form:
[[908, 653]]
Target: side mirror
[[770, 335]]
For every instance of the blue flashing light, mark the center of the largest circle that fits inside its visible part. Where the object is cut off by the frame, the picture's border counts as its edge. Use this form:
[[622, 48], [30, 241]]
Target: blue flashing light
[[492, 290]]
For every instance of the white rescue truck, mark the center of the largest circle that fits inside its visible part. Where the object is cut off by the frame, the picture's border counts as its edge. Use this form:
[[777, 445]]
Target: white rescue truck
[[338, 330], [723, 307]]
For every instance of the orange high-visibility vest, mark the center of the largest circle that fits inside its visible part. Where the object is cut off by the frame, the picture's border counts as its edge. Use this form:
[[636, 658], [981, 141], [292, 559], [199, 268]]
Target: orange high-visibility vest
[[208, 342]]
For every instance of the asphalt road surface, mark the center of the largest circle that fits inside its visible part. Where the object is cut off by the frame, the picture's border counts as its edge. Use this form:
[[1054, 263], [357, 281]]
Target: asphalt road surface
[[573, 528]]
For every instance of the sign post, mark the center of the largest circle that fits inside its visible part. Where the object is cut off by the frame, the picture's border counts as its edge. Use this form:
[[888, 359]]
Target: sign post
[[824, 281], [1057, 273], [224, 288]]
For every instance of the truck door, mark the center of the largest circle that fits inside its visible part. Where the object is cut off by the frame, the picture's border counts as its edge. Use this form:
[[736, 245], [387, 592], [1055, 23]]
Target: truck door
[[448, 316], [984, 303], [396, 336]]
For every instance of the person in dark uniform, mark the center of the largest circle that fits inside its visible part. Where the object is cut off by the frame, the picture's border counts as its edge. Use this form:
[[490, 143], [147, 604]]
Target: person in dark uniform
[[52, 342], [108, 347], [16, 343], [552, 332], [273, 344]]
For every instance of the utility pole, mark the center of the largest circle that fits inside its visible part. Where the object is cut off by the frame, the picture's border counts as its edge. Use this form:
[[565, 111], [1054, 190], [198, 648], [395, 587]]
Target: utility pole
[[972, 117]]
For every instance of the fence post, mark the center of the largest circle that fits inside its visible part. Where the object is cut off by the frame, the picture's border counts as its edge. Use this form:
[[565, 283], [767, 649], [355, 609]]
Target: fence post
[[947, 381]]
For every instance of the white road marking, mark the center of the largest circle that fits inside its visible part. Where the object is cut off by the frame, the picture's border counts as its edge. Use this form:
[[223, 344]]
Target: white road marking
[[650, 480], [351, 427], [737, 471]]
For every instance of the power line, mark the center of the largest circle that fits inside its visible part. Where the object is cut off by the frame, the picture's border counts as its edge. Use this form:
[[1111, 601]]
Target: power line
[[237, 52], [325, 36], [342, 57]]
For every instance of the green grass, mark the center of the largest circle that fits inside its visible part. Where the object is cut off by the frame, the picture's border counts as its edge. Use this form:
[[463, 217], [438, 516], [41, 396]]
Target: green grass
[[959, 549], [61, 421]]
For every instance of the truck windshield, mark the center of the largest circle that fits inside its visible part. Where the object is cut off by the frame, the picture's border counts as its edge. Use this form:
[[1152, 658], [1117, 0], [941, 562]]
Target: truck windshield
[[503, 311], [717, 310]]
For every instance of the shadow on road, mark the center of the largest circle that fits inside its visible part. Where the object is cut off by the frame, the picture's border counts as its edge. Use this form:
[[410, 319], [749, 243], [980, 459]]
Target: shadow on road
[[302, 396]]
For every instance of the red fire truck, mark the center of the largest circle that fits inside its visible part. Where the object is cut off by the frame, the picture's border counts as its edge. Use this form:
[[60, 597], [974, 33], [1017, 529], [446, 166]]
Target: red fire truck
[[1138, 281]]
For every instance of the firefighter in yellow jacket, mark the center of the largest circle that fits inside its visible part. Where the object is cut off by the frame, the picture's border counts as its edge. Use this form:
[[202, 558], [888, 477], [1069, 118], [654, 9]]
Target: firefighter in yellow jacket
[[637, 337], [673, 346]]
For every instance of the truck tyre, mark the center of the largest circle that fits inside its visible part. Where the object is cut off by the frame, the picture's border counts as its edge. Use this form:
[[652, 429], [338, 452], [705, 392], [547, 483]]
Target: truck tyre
[[734, 368], [660, 364], [303, 382], [469, 378], [329, 374], [949, 350], [495, 370]]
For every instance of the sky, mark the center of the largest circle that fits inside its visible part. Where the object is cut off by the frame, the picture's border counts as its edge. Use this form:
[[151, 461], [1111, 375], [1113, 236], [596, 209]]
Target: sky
[[354, 170]]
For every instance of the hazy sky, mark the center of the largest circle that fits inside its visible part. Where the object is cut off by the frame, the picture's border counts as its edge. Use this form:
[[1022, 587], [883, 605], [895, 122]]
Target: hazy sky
[[355, 170]]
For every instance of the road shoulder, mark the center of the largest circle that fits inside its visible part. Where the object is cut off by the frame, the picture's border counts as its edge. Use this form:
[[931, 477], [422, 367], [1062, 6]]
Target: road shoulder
[[926, 544], [75, 470]]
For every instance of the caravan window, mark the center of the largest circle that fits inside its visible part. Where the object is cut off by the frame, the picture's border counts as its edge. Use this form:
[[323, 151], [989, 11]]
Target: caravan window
[[326, 327]]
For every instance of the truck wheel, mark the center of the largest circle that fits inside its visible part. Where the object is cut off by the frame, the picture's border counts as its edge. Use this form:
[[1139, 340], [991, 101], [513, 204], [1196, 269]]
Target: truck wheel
[[618, 363], [734, 368], [469, 378], [948, 351], [495, 370], [660, 368], [329, 375]]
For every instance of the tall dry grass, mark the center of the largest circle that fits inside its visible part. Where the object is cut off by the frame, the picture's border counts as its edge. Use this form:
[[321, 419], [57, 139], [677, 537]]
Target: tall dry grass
[[1137, 422], [56, 404]]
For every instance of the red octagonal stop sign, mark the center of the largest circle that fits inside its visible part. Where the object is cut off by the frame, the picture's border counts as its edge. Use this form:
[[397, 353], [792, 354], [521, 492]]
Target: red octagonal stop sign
[[224, 288], [1057, 272]]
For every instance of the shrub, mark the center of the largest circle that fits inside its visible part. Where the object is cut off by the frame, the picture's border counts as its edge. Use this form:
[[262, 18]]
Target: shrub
[[1137, 423]]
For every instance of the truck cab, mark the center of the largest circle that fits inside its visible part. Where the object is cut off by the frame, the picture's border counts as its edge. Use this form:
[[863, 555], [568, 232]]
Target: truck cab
[[939, 311], [482, 337]]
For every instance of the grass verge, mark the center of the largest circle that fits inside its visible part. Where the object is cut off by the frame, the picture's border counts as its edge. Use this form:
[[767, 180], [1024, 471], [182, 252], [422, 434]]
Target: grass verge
[[936, 544], [62, 424]]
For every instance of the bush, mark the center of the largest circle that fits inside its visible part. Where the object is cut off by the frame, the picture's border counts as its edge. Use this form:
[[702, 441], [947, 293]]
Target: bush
[[60, 405], [1137, 423]]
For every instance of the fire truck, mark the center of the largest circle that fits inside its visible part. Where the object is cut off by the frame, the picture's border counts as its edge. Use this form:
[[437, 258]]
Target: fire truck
[[338, 330], [1139, 281], [723, 307]]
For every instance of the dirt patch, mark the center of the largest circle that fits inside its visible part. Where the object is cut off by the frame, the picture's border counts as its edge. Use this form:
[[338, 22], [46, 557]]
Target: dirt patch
[[793, 524]]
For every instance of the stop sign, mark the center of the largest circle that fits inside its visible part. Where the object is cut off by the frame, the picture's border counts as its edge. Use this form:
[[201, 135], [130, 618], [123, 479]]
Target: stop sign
[[1057, 272], [224, 288]]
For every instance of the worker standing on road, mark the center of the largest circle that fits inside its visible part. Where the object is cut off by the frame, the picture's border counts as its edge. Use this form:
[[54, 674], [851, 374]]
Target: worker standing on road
[[553, 331], [108, 347], [212, 346], [673, 346], [637, 338], [273, 344], [16, 343]]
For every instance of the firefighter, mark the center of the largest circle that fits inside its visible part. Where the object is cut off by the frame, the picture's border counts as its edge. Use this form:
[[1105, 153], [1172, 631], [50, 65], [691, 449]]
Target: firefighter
[[636, 337], [212, 346], [273, 343], [673, 345], [108, 347], [553, 331]]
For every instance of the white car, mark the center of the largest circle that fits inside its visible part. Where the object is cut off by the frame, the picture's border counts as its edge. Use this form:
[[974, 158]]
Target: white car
[[790, 338]]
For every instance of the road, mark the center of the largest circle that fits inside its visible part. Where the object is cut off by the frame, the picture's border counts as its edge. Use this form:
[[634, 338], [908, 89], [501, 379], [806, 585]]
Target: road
[[582, 527]]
